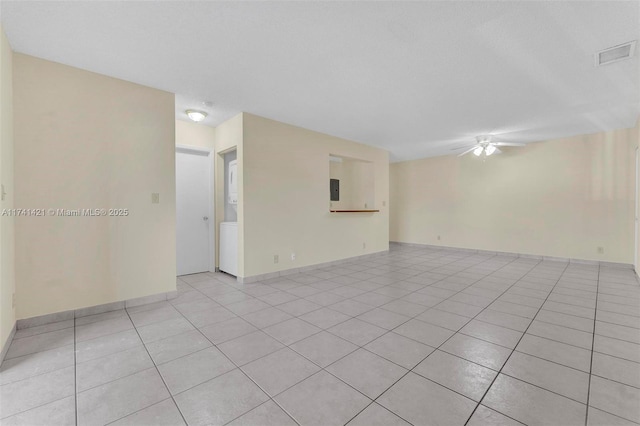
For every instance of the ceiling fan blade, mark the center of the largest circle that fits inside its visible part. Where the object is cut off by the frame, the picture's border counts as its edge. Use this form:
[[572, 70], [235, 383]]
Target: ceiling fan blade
[[461, 147], [508, 144], [467, 151], [497, 151]]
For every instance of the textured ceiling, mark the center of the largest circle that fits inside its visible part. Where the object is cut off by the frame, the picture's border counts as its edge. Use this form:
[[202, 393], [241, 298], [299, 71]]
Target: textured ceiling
[[415, 78]]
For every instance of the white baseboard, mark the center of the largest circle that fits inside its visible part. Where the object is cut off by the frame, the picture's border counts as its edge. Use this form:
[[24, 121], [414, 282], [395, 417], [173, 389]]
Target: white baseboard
[[522, 255], [93, 310], [284, 273], [7, 343]]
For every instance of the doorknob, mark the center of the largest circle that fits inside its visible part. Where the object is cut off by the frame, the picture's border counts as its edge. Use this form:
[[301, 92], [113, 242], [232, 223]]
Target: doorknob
[[205, 218]]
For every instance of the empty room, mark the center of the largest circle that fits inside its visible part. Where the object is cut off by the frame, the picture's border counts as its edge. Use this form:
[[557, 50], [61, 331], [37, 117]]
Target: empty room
[[363, 213]]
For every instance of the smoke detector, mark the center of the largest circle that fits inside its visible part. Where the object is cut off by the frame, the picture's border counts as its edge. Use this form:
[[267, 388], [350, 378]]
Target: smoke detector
[[615, 54]]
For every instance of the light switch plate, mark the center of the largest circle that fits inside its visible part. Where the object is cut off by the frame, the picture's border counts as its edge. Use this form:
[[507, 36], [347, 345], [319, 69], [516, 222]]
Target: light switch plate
[[155, 198]]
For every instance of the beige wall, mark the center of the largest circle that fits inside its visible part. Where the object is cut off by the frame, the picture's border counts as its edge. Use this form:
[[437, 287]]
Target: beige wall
[[363, 189], [7, 277], [286, 199], [84, 140], [229, 136], [562, 197], [194, 134]]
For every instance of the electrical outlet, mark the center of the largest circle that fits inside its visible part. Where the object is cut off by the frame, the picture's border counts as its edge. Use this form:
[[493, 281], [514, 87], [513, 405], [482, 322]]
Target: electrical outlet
[[293, 256], [438, 237], [155, 198], [384, 203], [364, 245], [366, 205], [276, 258], [600, 250]]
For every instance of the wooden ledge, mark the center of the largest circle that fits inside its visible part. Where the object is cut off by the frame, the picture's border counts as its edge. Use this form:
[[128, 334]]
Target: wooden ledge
[[353, 211]]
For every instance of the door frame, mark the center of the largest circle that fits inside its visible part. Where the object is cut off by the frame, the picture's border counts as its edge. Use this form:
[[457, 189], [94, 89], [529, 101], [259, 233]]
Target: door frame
[[637, 212], [188, 149]]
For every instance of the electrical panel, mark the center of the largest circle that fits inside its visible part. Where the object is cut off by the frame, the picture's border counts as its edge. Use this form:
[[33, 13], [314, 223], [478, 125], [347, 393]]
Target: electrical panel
[[334, 187]]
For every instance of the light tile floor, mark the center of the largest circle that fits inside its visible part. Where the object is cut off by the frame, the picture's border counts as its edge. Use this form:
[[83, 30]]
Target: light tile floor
[[419, 336]]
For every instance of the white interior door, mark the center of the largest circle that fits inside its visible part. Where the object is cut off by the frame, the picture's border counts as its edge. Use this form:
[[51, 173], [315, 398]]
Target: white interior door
[[193, 192]]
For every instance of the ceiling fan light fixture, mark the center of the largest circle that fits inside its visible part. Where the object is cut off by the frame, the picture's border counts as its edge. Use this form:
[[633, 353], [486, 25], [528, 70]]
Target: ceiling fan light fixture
[[478, 151], [196, 115], [490, 149]]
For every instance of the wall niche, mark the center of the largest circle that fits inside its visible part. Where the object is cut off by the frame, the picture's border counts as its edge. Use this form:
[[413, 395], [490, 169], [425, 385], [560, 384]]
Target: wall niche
[[351, 184]]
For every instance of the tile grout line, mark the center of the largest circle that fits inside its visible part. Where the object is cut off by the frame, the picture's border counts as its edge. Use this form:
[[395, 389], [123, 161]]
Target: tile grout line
[[593, 340], [540, 387], [548, 360], [49, 402], [43, 332], [554, 340], [428, 308], [360, 347], [478, 403], [399, 325], [514, 348], [119, 378], [435, 349], [40, 374], [350, 316], [157, 371], [634, 329], [414, 291], [321, 330], [541, 337], [321, 368], [520, 331], [370, 291], [373, 400], [141, 409], [237, 367]]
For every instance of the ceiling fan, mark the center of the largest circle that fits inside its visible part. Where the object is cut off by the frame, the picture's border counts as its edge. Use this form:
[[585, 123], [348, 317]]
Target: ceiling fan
[[485, 144]]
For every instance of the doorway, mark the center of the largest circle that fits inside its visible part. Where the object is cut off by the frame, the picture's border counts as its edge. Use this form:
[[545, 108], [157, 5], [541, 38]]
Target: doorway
[[194, 206]]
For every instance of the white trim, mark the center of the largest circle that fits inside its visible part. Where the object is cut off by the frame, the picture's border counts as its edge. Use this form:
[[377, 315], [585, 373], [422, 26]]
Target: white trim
[[285, 272], [635, 219], [521, 255], [5, 347], [93, 310], [188, 149]]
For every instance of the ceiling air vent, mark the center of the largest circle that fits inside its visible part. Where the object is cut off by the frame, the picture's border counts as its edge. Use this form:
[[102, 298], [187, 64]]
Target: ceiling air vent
[[615, 54]]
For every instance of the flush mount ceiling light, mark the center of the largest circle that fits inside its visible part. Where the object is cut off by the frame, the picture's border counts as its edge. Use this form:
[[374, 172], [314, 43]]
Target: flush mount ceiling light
[[196, 115], [615, 53]]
